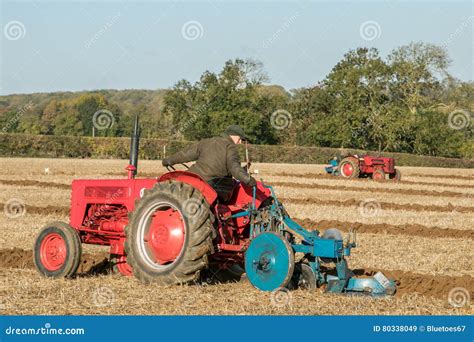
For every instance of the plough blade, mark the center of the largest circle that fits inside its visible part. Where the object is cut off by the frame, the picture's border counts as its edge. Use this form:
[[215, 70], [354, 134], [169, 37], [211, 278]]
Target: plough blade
[[378, 285]]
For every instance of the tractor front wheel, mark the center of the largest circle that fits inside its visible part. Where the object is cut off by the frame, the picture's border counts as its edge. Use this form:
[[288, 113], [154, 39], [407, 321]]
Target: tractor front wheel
[[349, 168], [378, 175], [169, 235], [57, 250]]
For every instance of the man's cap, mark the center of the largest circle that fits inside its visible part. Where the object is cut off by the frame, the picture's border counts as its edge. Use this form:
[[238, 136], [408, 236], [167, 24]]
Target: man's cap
[[236, 130]]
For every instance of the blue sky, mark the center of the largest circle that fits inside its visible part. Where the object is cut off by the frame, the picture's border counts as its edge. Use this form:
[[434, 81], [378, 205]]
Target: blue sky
[[84, 45]]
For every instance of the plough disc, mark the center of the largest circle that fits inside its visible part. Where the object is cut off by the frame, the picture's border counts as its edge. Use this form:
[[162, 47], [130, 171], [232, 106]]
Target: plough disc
[[269, 261]]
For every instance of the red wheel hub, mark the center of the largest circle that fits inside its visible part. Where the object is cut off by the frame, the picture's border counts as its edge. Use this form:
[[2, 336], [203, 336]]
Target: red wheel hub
[[347, 169], [378, 176], [53, 252], [165, 237]]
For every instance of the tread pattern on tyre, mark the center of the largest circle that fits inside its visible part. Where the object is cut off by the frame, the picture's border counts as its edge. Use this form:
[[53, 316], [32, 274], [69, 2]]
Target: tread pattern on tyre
[[73, 254], [199, 233], [382, 175]]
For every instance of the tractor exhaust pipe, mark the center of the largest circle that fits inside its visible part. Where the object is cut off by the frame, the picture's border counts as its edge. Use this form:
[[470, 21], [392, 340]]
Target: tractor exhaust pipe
[[132, 168]]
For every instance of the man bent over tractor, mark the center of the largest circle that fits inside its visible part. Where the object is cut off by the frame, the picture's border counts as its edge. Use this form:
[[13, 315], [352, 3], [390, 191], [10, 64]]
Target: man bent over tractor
[[217, 160]]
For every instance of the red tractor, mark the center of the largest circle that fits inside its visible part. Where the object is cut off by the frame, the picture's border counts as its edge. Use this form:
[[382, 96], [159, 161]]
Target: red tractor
[[354, 166], [169, 229]]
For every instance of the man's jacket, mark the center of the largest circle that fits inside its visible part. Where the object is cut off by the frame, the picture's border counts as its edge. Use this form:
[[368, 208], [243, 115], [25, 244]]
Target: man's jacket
[[215, 157]]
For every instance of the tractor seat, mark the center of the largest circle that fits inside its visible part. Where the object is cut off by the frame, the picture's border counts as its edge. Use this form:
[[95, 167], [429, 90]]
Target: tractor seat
[[224, 186]]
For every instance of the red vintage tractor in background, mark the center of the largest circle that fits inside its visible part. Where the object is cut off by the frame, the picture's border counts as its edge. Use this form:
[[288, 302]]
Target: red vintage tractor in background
[[169, 229], [354, 166]]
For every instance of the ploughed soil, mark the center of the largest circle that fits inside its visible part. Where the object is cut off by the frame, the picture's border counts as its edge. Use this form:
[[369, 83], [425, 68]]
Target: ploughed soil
[[437, 286], [442, 176], [404, 181], [35, 183], [378, 190], [429, 285], [91, 264], [48, 210], [383, 205], [384, 228]]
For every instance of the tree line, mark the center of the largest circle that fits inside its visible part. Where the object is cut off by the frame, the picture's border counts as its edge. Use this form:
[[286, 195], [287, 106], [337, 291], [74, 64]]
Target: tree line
[[403, 102]]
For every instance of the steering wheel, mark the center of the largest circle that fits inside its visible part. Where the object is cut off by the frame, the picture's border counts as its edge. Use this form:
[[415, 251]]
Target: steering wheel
[[170, 168]]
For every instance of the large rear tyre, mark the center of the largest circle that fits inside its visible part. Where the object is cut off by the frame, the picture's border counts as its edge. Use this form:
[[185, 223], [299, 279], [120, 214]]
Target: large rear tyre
[[57, 250], [349, 168], [169, 235]]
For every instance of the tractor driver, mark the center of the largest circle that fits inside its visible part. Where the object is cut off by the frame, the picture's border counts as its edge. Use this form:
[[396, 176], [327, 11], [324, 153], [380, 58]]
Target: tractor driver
[[217, 161]]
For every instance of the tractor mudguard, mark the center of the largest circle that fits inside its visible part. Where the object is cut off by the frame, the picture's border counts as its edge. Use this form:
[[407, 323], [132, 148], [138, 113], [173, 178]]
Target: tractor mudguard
[[194, 180]]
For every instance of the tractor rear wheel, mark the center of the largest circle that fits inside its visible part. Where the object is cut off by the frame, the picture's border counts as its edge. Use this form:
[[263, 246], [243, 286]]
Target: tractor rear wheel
[[397, 176], [57, 250], [169, 235], [378, 175], [349, 168]]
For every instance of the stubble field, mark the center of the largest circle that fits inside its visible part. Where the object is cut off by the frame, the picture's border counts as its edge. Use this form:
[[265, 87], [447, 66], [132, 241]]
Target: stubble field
[[418, 232]]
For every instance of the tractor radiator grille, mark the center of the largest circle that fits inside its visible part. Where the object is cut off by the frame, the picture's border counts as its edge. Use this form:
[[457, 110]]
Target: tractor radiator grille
[[109, 192]]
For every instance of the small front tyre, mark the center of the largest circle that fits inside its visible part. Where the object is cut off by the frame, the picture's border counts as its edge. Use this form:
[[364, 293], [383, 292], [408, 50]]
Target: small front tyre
[[378, 175], [57, 250]]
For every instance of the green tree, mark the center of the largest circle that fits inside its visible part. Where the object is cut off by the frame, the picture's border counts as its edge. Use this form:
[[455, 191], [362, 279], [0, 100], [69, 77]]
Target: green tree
[[360, 107], [9, 122], [68, 122], [433, 136], [416, 72], [205, 108]]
